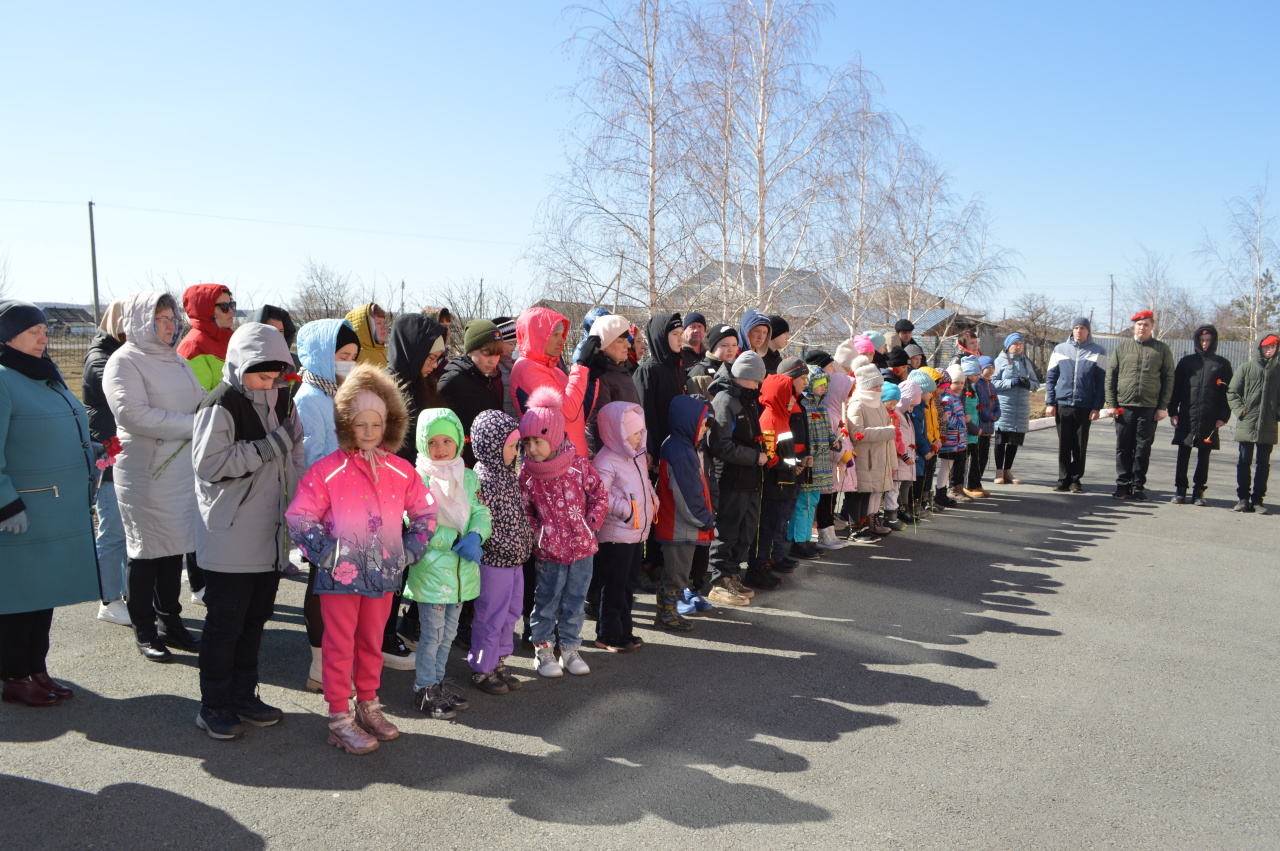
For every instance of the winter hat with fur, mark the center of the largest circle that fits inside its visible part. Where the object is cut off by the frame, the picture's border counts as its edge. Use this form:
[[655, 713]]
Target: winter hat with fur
[[542, 417]]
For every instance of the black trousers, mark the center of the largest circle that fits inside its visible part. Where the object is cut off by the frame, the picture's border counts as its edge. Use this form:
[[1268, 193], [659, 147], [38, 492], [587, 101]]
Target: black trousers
[[154, 587], [978, 454], [737, 521], [195, 573], [856, 507], [1260, 475], [1135, 432], [1005, 453], [24, 643], [238, 607], [958, 467], [1184, 461], [1073, 442], [771, 544], [825, 515], [311, 610], [617, 569], [698, 569]]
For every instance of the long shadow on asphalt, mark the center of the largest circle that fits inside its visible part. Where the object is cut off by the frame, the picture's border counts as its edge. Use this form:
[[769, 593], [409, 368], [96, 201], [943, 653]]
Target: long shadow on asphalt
[[696, 730]]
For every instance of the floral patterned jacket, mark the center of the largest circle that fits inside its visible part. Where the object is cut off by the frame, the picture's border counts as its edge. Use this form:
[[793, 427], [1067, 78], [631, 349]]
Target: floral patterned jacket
[[351, 527]]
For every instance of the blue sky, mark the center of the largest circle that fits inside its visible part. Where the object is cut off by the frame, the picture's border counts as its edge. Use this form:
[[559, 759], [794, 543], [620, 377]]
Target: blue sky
[[1088, 129]]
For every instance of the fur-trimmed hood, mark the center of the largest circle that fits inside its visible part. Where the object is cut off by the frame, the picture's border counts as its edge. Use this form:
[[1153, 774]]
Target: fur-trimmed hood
[[367, 377]]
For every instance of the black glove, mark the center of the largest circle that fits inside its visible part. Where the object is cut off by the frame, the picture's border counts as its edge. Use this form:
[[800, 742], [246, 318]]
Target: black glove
[[588, 350]]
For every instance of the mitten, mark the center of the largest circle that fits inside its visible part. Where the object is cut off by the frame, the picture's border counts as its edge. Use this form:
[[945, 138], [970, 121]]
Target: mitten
[[16, 524], [276, 444], [588, 350], [469, 547]]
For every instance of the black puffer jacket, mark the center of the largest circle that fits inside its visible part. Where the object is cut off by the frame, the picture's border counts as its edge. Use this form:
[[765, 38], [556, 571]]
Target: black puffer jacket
[[1200, 382], [734, 438], [468, 392], [102, 423], [659, 378], [613, 383], [409, 342]]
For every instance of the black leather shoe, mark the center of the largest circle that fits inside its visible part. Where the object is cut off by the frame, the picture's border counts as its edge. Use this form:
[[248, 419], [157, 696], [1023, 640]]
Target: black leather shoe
[[154, 651], [1122, 493], [176, 635]]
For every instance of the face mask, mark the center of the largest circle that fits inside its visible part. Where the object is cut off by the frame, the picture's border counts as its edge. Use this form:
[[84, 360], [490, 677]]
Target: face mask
[[341, 368]]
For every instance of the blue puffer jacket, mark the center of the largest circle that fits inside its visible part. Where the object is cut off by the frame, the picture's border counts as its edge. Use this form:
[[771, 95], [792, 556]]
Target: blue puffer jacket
[[1077, 375], [316, 344], [1014, 396]]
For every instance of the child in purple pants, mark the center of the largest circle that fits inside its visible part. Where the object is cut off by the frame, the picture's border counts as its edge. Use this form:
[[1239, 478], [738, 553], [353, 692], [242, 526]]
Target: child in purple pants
[[495, 440]]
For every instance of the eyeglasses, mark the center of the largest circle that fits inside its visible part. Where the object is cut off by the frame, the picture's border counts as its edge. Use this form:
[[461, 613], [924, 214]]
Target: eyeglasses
[[225, 306]]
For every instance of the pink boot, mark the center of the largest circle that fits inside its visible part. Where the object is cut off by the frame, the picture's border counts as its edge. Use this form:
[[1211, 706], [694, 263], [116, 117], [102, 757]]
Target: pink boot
[[344, 733], [369, 716]]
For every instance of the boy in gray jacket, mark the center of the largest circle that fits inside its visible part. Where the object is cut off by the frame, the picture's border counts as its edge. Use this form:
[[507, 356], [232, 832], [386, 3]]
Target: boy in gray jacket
[[248, 456]]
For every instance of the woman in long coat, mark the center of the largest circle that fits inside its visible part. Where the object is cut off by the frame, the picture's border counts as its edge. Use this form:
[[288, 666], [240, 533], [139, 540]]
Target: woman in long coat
[[154, 395], [46, 480], [1014, 381]]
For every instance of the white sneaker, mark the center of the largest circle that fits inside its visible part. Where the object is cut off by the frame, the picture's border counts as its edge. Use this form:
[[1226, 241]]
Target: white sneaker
[[544, 656], [115, 612], [197, 597], [572, 662], [828, 541]]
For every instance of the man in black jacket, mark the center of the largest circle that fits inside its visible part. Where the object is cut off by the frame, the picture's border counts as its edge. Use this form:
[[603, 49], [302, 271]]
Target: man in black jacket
[[660, 376], [1198, 409]]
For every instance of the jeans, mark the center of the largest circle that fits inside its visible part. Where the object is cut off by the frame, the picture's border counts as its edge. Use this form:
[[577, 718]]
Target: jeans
[[439, 626], [1135, 432], [497, 609], [1184, 461], [1260, 474], [617, 568], [558, 598], [238, 606], [771, 544], [112, 555], [1073, 442]]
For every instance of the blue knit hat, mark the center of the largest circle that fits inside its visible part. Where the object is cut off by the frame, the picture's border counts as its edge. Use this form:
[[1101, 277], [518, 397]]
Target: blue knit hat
[[694, 316], [921, 378], [985, 362], [1015, 337], [970, 365], [890, 392]]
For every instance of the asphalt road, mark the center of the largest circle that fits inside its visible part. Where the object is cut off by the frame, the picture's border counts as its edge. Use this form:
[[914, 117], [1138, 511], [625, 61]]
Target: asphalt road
[[1038, 670]]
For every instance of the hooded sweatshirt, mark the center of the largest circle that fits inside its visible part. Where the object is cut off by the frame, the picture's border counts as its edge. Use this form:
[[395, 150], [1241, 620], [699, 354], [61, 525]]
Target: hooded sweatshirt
[[205, 346], [243, 480], [753, 318], [633, 504], [409, 342], [685, 514], [442, 576], [372, 351], [1254, 396], [512, 541], [536, 368], [659, 378]]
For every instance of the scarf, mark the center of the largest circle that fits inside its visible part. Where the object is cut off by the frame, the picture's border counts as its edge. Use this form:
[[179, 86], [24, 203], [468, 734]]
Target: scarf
[[324, 385], [448, 486], [552, 467], [37, 369]]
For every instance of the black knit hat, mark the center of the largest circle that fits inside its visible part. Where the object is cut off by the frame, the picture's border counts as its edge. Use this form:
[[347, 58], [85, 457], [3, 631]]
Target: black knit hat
[[896, 357], [818, 358], [346, 336], [17, 316], [778, 325], [904, 325], [716, 333]]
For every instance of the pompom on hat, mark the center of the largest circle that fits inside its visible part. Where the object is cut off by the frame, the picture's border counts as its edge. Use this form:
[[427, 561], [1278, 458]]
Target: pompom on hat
[[542, 417]]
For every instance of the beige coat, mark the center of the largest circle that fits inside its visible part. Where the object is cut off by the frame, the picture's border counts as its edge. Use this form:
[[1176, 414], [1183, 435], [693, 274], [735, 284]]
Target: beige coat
[[865, 414]]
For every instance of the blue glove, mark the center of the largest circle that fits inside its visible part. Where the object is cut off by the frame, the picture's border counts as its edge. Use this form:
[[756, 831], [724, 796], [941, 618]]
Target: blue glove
[[469, 547]]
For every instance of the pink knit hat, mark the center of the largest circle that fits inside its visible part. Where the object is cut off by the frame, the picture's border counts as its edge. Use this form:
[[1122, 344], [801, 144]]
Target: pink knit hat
[[367, 400], [862, 343], [632, 422], [542, 417]]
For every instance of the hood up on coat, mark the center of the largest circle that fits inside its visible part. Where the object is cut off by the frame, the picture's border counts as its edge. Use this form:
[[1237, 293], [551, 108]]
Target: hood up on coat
[[367, 377], [1261, 339], [489, 433], [207, 337], [534, 327], [655, 335], [1213, 340], [590, 319], [139, 321], [362, 322], [611, 422], [410, 340], [435, 421], [254, 343], [317, 345], [752, 319], [683, 417], [839, 387], [113, 319], [911, 393], [270, 311], [777, 394]]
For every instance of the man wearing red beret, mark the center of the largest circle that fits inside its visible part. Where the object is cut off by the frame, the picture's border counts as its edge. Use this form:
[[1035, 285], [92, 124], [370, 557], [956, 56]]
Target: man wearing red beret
[[1139, 385]]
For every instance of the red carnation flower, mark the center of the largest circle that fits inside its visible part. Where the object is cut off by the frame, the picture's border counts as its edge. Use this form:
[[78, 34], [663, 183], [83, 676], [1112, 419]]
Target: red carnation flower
[[859, 436], [292, 377]]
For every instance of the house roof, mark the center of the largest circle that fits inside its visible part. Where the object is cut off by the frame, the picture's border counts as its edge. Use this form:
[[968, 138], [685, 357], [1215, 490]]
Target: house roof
[[926, 321], [66, 314]]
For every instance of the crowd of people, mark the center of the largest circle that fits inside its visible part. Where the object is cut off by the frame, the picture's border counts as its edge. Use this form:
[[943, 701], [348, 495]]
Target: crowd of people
[[439, 501]]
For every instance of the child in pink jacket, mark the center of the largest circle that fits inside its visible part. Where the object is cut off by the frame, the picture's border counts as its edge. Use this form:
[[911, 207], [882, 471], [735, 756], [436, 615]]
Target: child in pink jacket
[[348, 519]]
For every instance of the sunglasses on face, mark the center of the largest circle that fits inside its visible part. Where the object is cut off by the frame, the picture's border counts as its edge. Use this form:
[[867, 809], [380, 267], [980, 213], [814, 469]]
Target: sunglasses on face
[[225, 306]]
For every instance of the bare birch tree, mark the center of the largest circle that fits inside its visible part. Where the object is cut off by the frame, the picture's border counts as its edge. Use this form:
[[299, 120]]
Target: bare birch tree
[[323, 293], [1242, 266]]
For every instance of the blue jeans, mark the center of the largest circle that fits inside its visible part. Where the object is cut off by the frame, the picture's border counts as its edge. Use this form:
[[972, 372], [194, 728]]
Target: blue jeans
[[439, 626], [112, 556], [558, 599]]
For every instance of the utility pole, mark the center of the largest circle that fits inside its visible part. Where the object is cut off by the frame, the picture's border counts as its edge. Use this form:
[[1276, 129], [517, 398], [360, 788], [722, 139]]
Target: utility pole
[[1111, 321], [93, 255], [401, 296]]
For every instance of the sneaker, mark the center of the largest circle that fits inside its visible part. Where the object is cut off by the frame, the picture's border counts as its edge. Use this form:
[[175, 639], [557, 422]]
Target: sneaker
[[684, 603], [504, 673], [398, 657], [489, 683], [1121, 493], [959, 495], [571, 660], [430, 702], [784, 566], [219, 723], [1139, 495], [544, 656], [1243, 507], [449, 691], [761, 578], [257, 713], [619, 645], [197, 597], [806, 550], [724, 597], [345, 734], [695, 601], [115, 612], [1259, 508], [734, 584]]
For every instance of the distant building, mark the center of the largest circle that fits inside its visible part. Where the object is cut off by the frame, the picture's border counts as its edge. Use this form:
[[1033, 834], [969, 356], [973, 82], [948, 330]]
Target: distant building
[[68, 320]]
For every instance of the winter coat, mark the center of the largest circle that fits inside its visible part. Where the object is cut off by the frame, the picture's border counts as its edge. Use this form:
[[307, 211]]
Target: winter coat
[[1140, 375], [505, 365], [685, 512], [1199, 402], [1014, 399], [511, 543], [906, 466], [821, 445], [373, 353], [317, 344], [633, 503], [442, 576], [844, 468], [1254, 396], [699, 377], [953, 422], [782, 472], [973, 414], [47, 470], [469, 392], [153, 395], [349, 522], [409, 343], [205, 345], [923, 446], [735, 440], [659, 378], [866, 415], [102, 425], [536, 369], [988, 406], [242, 486], [614, 384], [1077, 375], [566, 503]]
